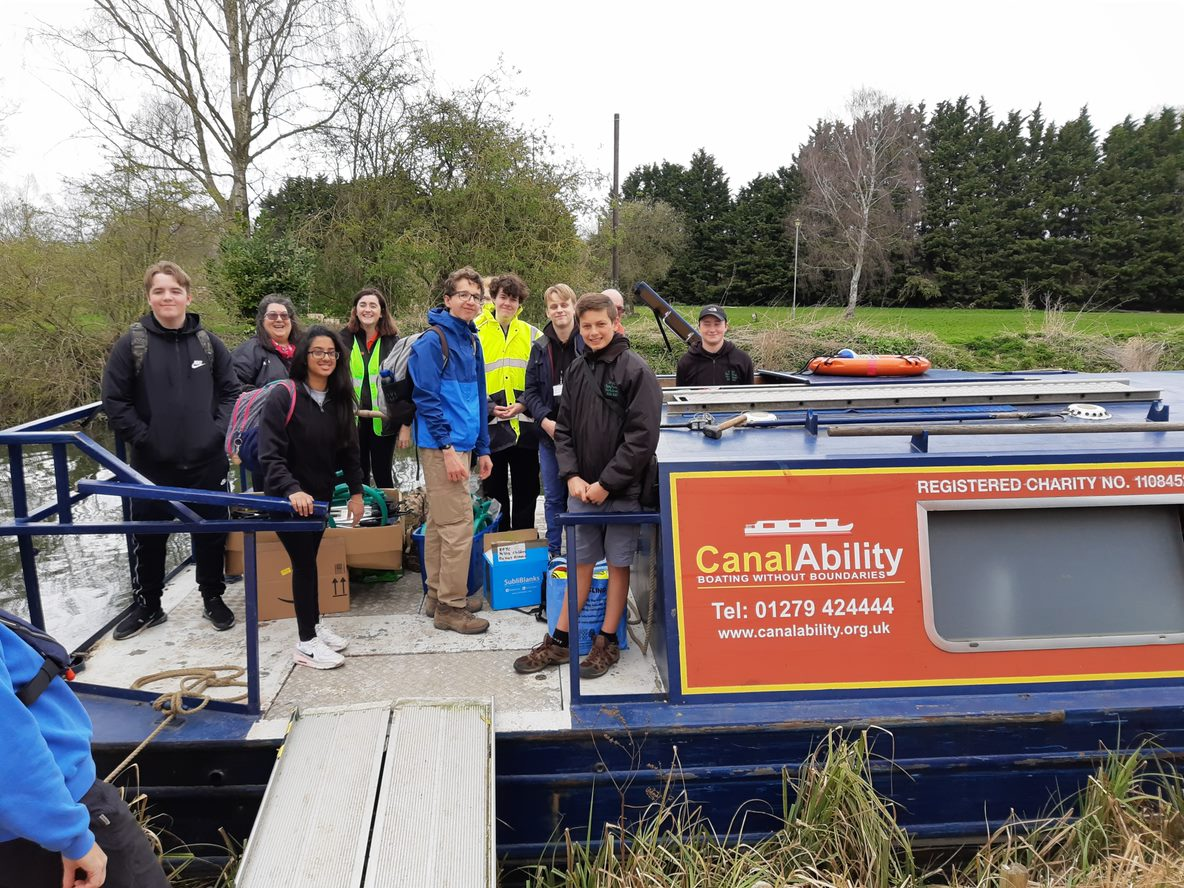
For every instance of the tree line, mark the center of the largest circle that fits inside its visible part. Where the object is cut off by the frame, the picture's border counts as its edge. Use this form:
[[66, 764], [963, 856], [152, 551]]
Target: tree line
[[949, 207]]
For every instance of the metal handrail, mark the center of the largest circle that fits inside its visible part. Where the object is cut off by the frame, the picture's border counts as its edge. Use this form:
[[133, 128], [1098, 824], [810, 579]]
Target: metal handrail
[[131, 485], [569, 520]]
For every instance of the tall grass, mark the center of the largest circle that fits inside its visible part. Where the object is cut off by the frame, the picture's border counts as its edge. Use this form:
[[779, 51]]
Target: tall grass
[[1126, 828]]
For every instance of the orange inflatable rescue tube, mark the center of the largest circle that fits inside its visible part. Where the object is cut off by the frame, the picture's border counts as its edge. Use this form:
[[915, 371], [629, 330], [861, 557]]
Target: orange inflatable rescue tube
[[869, 365]]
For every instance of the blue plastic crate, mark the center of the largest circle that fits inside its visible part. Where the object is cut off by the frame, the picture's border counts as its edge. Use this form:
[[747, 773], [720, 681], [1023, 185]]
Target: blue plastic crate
[[476, 557]]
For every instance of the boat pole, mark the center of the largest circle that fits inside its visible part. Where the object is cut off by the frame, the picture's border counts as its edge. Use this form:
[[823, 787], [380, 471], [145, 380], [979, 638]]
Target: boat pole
[[616, 275]]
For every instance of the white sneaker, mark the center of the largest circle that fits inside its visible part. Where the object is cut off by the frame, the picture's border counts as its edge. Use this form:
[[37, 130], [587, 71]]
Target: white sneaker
[[332, 640], [316, 653]]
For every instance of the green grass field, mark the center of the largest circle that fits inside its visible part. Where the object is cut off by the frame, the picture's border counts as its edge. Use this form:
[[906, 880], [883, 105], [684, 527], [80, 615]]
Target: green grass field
[[953, 325]]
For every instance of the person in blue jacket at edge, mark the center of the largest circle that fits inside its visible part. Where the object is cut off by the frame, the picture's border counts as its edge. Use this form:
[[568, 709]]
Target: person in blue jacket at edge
[[56, 818], [450, 429]]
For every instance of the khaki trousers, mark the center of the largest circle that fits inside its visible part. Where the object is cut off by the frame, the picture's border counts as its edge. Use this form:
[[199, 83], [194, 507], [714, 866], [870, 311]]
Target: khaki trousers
[[448, 539]]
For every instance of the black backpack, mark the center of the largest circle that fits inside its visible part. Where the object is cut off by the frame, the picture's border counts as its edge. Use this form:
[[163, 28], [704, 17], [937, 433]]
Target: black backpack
[[57, 660]]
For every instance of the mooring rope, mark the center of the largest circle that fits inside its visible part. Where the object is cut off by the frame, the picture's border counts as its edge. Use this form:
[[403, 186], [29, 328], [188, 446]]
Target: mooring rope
[[194, 683]]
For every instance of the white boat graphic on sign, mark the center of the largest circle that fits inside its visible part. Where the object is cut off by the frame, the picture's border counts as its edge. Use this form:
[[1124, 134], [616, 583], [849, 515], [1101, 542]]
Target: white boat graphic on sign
[[789, 526]]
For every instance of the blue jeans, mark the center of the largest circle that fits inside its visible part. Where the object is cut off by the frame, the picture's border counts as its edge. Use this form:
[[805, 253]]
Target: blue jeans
[[554, 495]]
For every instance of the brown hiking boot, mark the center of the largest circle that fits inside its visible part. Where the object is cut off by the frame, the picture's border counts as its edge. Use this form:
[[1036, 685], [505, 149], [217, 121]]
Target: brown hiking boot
[[458, 619], [549, 653], [473, 604], [603, 657]]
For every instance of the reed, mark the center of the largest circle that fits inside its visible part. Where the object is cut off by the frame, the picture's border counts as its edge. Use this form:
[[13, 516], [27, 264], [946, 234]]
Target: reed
[[1124, 830]]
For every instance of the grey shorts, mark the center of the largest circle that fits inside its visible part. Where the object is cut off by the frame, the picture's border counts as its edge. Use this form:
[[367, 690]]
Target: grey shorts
[[615, 543]]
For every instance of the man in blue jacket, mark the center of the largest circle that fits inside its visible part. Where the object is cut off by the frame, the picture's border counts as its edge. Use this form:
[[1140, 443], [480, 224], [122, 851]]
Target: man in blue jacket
[[450, 426], [55, 817]]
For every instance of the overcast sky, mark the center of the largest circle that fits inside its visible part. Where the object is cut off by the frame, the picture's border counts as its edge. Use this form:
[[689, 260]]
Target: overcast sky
[[743, 79]]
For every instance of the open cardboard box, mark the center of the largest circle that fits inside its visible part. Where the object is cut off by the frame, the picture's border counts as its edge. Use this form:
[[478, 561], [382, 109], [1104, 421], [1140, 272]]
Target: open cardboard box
[[515, 568], [374, 548]]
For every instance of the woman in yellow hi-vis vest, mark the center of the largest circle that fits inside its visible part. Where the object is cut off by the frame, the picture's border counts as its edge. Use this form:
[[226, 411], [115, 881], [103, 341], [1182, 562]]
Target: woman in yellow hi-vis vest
[[371, 332], [513, 441]]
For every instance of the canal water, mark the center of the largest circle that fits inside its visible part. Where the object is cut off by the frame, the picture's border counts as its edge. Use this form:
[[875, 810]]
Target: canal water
[[84, 579]]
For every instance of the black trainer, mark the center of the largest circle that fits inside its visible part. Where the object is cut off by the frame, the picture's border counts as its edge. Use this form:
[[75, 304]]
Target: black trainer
[[218, 613], [139, 618]]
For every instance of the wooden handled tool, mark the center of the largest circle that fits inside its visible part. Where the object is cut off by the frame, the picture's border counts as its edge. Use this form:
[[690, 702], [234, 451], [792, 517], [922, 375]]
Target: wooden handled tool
[[715, 431]]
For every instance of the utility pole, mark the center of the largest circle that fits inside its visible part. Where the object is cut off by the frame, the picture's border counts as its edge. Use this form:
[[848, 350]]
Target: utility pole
[[797, 229], [615, 195]]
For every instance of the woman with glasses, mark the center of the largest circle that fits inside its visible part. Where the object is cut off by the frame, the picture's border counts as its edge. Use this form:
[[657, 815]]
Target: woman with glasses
[[371, 335], [300, 458], [266, 356]]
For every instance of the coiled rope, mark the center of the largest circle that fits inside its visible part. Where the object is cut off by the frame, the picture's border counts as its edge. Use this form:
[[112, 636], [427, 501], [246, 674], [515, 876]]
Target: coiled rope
[[194, 683]]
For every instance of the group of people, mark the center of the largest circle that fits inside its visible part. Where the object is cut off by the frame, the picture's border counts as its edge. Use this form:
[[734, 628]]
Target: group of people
[[572, 403], [168, 389]]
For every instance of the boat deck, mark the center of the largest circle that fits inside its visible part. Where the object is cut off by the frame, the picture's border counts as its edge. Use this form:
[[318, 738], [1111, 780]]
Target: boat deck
[[394, 652]]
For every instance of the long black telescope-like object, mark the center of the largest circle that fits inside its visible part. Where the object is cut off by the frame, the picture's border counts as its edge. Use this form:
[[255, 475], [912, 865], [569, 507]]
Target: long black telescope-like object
[[665, 314]]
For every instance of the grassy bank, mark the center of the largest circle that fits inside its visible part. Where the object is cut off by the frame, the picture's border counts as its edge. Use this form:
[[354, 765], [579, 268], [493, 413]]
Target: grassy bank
[[957, 339], [958, 325]]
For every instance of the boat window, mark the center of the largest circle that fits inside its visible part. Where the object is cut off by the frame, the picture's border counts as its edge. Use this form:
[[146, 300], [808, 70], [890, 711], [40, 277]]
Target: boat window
[[1002, 577]]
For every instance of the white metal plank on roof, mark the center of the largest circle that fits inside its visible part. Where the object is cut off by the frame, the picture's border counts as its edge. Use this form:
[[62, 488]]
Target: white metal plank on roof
[[913, 394], [434, 823], [314, 823]]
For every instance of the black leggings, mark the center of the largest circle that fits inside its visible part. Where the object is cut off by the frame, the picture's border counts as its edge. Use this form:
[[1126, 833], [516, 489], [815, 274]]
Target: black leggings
[[377, 453], [302, 550]]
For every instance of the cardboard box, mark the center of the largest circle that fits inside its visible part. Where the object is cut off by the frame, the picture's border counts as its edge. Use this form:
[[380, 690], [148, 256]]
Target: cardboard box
[[274, 571], [377, 548], [515, 568]]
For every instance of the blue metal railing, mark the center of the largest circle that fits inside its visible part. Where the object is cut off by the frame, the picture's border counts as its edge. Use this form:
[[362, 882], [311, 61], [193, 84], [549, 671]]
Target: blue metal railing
[[130, 485], [569, 520]]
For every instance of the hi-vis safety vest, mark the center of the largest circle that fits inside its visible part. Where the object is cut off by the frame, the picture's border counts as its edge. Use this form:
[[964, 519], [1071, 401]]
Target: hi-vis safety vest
[[506, 355], [359, 368]]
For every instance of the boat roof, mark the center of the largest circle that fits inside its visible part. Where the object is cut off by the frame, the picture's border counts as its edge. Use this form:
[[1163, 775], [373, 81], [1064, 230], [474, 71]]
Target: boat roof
[[939, 398]]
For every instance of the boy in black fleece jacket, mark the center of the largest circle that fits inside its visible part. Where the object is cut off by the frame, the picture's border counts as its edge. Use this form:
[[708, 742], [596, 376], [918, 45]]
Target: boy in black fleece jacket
[[171, 403], [712, 359], [605, 437]]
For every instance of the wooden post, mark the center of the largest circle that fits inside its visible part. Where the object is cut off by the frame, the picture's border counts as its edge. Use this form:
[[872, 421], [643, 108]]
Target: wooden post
[[1013, 875]]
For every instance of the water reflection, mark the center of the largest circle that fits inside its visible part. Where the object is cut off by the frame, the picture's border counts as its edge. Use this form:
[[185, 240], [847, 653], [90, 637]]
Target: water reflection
[[84, 579]]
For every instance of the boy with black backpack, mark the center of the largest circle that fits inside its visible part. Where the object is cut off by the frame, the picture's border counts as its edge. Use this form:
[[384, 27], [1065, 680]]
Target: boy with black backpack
[[168, 389], [605, 438]]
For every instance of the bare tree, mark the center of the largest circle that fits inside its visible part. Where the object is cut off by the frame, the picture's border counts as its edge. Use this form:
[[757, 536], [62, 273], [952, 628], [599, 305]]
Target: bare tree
[[223, 81], [862, 178], [368, 137]]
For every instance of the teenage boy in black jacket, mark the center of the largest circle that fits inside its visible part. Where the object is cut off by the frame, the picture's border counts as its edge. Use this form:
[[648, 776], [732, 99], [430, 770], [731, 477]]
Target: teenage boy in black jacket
[[168, 390], [713, 360], [550, 357], [605, 437]]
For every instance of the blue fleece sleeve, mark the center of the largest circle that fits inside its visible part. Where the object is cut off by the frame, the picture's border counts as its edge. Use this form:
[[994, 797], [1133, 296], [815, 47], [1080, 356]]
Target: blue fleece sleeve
[[482, 447], [35, 803], [426, 365]]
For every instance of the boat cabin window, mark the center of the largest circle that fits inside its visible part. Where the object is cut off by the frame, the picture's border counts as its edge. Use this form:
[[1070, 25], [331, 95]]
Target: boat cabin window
[[1010, 577]]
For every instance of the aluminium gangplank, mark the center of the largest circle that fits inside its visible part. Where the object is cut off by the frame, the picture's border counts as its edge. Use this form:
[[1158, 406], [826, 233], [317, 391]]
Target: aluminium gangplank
[[380, 796]]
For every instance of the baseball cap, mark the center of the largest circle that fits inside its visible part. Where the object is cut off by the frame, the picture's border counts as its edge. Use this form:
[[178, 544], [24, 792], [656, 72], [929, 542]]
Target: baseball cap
[[713, 311]]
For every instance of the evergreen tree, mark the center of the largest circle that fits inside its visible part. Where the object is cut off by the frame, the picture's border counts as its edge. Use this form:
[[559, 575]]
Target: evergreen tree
[[1137, 227], [761, 241], [698, 192]]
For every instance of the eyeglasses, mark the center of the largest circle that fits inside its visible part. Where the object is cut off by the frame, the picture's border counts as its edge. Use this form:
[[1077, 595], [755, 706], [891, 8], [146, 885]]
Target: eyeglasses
[[320, 353], [276, 316], [467, 297]]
